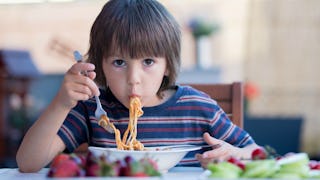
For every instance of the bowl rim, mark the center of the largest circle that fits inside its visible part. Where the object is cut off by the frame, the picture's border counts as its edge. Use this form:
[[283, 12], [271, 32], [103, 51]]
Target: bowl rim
[[151, 149]]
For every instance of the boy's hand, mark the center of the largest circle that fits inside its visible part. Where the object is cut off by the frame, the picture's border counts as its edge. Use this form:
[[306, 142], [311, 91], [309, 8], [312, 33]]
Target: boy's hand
[[222, 153], [76, 86]]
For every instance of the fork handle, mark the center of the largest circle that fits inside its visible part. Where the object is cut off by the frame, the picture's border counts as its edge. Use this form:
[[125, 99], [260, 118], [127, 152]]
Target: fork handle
[[98, 101], [78, 57]]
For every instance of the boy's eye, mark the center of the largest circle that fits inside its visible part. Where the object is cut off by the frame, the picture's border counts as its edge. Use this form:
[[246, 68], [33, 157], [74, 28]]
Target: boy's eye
[[119, 62], [148, 62]]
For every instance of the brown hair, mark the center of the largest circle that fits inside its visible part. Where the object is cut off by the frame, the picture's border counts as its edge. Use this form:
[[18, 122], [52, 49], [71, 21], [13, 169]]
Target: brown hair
[[135, 29]]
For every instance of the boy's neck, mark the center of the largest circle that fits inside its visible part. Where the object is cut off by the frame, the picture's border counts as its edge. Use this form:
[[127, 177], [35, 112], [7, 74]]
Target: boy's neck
[[167, 94]]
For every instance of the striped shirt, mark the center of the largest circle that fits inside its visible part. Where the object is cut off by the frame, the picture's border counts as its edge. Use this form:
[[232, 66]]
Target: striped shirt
[[180, 120]]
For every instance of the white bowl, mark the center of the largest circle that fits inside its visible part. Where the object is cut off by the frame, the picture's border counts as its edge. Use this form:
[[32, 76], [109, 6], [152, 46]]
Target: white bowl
[[164, 156]]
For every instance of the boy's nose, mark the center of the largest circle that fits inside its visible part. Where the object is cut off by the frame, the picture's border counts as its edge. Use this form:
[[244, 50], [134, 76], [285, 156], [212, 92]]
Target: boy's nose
[[133, 76]]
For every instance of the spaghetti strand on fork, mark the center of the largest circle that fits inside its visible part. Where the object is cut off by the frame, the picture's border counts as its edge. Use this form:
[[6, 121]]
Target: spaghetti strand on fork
[[131, 142]]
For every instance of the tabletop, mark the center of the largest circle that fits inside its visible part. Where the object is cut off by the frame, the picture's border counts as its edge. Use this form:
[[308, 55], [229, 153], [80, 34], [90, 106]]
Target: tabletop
[[186, 173]]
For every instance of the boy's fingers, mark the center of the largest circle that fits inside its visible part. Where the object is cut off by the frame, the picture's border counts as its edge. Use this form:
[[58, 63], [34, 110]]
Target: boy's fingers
[[210, 140], [81, 68]]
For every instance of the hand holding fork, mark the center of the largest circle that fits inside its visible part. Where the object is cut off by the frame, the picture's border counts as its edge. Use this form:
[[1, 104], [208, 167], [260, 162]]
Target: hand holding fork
[[99, 110]]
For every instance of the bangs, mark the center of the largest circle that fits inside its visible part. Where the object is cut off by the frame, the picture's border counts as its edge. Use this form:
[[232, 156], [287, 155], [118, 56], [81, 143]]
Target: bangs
[[138, 43], [140, 33]]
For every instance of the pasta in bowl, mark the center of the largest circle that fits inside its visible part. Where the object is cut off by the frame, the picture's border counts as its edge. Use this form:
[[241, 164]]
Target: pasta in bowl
[[164, 156], [127, 143]]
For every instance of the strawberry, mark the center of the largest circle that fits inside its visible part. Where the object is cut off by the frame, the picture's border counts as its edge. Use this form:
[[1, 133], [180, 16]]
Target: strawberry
[[59, 159], [67, 168], [74, 165], [259, 153]]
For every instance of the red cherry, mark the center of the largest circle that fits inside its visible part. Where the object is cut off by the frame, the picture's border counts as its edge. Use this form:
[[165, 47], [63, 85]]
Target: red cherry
[[315, 165], [259, 153], [125, 171], [128, 160], [92, 170]]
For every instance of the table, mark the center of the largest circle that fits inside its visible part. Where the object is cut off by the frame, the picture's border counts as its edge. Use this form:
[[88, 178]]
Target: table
[[185, 173]]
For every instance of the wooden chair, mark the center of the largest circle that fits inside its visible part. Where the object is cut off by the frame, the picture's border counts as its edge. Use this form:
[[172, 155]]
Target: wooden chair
[[229, 98]]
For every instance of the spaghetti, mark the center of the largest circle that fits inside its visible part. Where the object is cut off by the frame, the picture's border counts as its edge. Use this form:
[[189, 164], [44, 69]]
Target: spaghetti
[[129, 140]]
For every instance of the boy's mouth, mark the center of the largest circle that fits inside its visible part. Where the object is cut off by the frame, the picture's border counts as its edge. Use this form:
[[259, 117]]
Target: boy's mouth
[[134, 95]]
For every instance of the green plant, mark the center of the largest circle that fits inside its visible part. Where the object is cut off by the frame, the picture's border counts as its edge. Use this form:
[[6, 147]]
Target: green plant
[[201, 27]]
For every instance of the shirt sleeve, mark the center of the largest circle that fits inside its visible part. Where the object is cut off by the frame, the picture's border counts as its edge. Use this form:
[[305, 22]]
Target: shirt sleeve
[[74, 130], [223, 128]]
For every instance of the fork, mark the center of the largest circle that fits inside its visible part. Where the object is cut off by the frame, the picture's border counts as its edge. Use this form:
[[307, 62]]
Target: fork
[[99, 110]]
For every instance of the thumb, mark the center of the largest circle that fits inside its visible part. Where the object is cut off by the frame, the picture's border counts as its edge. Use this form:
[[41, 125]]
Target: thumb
[[211, 140]]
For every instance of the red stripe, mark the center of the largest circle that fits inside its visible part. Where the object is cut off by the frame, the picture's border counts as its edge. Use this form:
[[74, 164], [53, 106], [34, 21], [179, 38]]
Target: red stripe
[[182, 119], [234, 137], [143, 120], [189, 161], [106, 141], [228, 133], [217, 116], [168, 129], [219, 127], [244, 140], [75, 125]]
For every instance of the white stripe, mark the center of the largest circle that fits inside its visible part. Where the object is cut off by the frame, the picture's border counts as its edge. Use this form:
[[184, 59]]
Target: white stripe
[[216, 117], [192, 98], [225, 135], [162, 120]]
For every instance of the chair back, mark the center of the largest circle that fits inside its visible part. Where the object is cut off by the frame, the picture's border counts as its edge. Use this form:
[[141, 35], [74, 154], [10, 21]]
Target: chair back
[[229, 97]]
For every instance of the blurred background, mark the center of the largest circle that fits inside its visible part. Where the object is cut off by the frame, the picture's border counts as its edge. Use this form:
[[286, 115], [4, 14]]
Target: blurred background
[[273, 46]]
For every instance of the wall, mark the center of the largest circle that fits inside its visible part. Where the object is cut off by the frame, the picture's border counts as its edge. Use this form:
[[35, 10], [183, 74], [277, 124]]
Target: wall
[[53, 30], [283, 59]]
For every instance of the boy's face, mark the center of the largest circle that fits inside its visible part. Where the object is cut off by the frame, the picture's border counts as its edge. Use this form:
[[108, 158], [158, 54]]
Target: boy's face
[[142, 77]]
